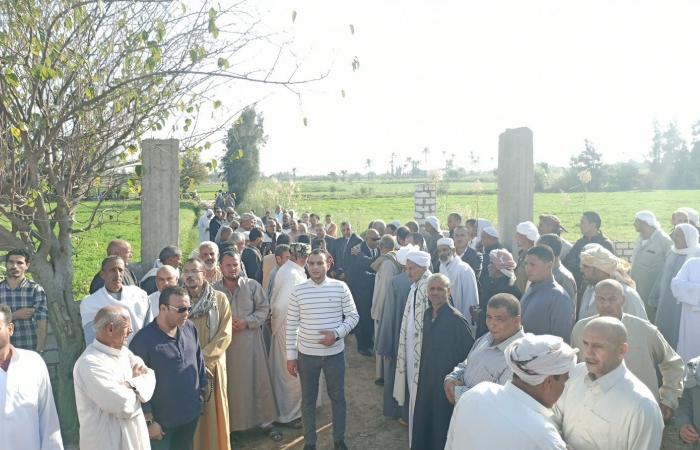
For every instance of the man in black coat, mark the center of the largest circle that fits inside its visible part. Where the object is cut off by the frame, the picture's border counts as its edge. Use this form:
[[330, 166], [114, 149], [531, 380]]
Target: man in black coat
[[591, 234], [341, 250], [360, 279]]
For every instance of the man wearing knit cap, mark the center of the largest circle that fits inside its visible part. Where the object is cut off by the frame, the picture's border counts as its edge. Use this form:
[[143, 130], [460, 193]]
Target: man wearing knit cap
[[431, 235], [411, 335], [387, 339], [463, 289], [526, 235], [604, 406], [517, 415], [489, 242], [598, 264], [550, 224], [648, 256]]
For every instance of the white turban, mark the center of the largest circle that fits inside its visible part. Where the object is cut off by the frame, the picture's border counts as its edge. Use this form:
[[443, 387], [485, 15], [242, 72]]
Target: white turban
[[403, 252], [529, 230], [446, 241], [209, 213], [649, 218], [420, 258], [535, 357], [491, 231], [691, 240], [434, 222], [693, 215]]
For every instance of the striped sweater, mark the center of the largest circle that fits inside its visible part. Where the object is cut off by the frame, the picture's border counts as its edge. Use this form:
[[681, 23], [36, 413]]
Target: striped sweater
[[315, 307]]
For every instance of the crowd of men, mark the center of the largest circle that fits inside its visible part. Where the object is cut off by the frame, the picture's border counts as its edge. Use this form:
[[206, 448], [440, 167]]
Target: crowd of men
[[559, 345]]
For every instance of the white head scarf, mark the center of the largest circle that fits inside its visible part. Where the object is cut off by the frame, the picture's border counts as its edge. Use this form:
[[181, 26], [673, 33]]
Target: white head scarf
[[529, 230], [649, 218], [434, 222], [449, 242], [693, 215], [420, 258], [691, 240], [491, 231], [403, 252], [535, 357]]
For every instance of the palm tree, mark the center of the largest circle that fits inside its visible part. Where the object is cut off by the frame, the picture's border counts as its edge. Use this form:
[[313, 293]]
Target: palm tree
[[391, 161], [368, 165], [294, 173], [426, 150]]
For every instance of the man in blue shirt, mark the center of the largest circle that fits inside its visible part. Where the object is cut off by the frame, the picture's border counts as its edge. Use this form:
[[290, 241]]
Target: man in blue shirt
[[169, 345]]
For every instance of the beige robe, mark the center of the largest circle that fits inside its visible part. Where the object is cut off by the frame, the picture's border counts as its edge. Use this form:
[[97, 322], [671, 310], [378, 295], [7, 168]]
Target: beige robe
[[250, 399], [213, 428], [386, 268]]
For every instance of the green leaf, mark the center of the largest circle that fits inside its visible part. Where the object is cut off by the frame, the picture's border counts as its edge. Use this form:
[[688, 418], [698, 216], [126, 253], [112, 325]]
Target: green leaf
[[160, 30], [11, 78], [212, 13], [222, 63], [16, 133], [217, 104]]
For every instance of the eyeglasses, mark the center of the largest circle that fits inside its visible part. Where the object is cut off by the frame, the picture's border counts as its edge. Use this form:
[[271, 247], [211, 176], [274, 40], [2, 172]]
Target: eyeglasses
[[181, 309]]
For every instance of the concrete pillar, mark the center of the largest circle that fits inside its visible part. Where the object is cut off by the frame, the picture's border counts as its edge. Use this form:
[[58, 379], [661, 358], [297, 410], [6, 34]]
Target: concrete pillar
[[160, 197], [516, 182], [425, 201]]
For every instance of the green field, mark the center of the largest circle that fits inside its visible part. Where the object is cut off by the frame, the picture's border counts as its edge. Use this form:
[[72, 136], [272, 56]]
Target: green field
[[390, 200]]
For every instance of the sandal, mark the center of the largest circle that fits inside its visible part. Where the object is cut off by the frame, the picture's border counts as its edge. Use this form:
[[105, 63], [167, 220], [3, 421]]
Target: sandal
[[274, 434]]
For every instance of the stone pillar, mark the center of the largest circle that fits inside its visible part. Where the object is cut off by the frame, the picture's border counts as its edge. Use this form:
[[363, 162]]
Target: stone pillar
[[160, 197], [425, 199], [516, 182]]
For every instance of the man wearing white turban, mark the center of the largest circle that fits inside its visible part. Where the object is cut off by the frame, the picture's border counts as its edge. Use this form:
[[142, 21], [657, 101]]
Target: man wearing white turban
[[411, 335], [431, 235], [668, 314], [516, 415], [648, 256], [526, 235], [604, 406]]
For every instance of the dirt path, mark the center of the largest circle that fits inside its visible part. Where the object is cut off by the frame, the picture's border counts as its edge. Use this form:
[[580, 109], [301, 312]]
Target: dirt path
[[367, 428]]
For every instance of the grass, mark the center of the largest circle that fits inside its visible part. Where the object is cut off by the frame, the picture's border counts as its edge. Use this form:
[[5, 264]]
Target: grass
[[390, 200]]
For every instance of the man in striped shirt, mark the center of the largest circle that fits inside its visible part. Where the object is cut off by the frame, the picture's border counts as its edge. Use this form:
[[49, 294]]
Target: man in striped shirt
[[321, 313]]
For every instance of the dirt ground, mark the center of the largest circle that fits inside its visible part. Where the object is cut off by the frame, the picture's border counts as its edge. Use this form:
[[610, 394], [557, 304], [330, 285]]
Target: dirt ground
[[367, 428]]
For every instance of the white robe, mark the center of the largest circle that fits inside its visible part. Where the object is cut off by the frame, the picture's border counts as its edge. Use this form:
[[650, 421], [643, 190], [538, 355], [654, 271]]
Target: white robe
[[287, 388], [686, 288], [109, 411], [28, 419], [133, 298], [203, 227], [463, 289]]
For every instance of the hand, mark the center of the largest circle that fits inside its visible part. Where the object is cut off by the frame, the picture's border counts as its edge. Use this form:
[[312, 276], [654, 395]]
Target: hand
[[328, 338], [155, 431], [239, 324], [666, 412], [689, 434], [449, 386], [292, 367], [138, 369], [23, 314]]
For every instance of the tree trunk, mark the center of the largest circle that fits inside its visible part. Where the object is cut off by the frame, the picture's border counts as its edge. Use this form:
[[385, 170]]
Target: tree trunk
[[56, 277]]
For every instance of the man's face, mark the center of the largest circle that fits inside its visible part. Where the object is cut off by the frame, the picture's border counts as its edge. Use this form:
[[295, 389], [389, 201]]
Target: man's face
[[283, 258], [271, 227], [638, 227], [461, 237], [246, 224], [226, 234], [219, 214], [428, 228], [318, 266], [599, 352], [546, 227], [231, 267], [285, 219], [501, 324], [328, 219], [165, 278], [593, 275], [414, 271], [194, 275], [452, 222], [294, 226], [372, 238], [113, 274], [609, 301], [554, 389], [16, 267], [536, 269], [679, 217], [208, 255], [346, 230], [230, 216], [305, 218], [173, 261], [487, 240], [438, 293], [118, 333], [587, 228], [523, 242], [170, 312], [444, 253], [679, 239], [124, 252], [313, 220], [6, 330], [320, 232]]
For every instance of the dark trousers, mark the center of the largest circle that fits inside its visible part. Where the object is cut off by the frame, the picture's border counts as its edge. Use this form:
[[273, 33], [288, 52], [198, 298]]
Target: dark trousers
[[309, 373], [364, 331], [176, 438]]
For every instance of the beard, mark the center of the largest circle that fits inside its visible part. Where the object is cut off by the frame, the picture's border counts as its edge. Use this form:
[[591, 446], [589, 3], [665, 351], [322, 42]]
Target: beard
[[210, 266]]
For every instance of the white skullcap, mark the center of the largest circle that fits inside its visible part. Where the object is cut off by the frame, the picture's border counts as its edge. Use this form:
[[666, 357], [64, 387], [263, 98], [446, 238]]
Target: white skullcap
[[693, 215], [529, 230], [403, 252], [446, 241], [210, 212], [491, 231], [419, 257], [434, 222], [535, 357], [649, 218]]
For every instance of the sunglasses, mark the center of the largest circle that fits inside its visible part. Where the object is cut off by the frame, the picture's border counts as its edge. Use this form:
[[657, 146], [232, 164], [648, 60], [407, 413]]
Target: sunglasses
[[181, 309]]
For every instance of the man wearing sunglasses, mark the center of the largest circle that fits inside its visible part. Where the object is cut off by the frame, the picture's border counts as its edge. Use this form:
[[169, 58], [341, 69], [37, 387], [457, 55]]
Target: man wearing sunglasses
[[169, 345]]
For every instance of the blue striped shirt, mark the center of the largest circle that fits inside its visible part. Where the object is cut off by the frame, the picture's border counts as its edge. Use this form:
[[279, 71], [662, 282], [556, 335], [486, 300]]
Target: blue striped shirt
[[315, 307]]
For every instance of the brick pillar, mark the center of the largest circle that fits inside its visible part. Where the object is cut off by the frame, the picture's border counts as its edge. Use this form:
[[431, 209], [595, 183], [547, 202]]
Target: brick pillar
[[425, 201]]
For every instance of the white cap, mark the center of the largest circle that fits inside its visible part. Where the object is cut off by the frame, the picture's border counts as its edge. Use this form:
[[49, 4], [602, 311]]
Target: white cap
[[419, 257], [434, 222], [446, 241], [403, 252], [491, 231], [529, 230], [649, 218]]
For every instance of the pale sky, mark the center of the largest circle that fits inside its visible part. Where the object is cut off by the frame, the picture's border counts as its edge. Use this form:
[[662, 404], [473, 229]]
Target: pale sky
[[453, 75]]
